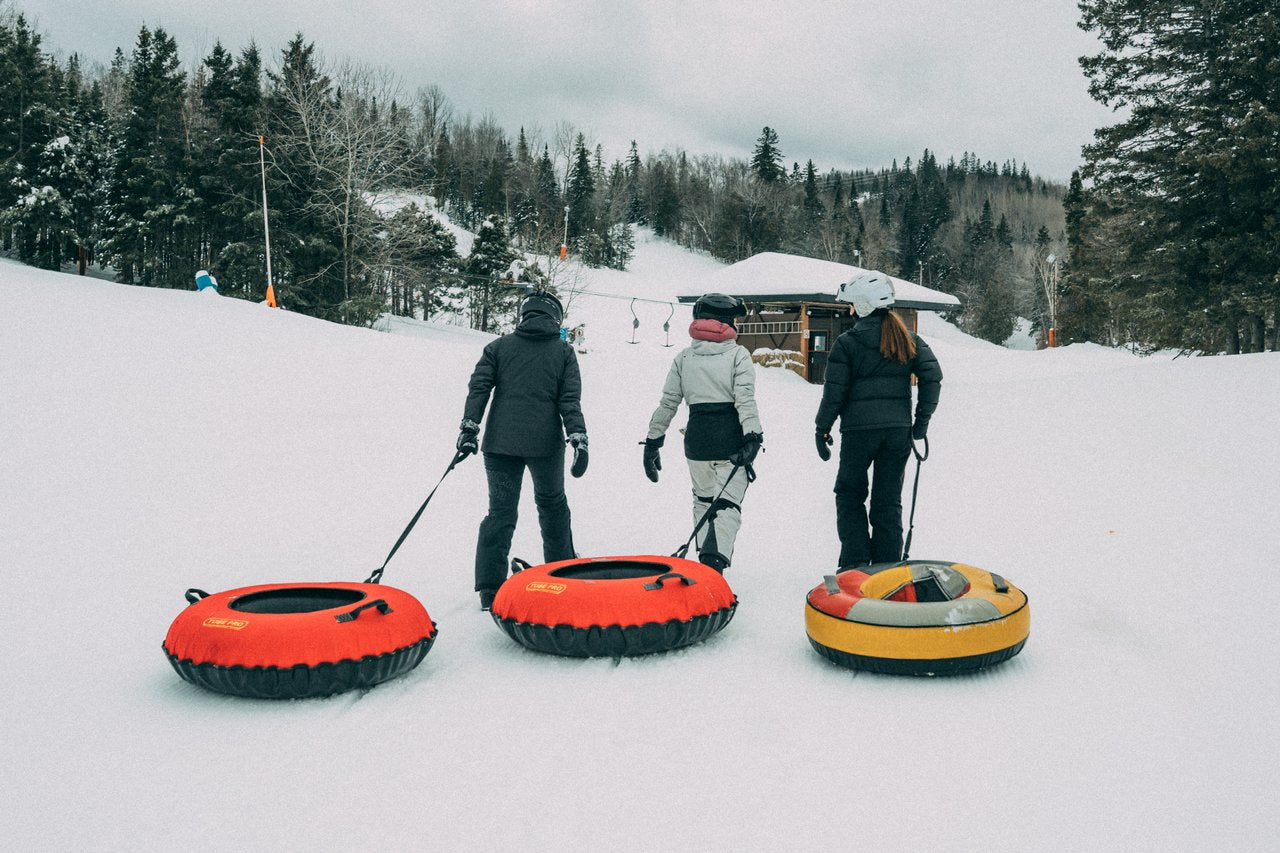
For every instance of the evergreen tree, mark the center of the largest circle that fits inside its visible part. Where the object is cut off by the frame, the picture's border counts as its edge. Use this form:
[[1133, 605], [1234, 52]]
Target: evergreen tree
[[766, 161], [490, 258], [306, 256], [146, 170], [1195, 165], [82, 176], [1003, 234], [27, 104], [664, 200], [986, 231], [909, 237], [1082, 313], [424, 265], [581, 194], [547, 198], [493, 195], [813, 207], [33, 98], [635, 196]]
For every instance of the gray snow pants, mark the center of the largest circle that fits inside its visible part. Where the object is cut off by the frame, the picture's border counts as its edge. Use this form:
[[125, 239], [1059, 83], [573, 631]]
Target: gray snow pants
[[718, 534]]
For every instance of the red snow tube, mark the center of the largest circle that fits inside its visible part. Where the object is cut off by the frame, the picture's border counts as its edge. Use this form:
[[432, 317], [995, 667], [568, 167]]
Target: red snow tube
[[613, 606], [288, 641]]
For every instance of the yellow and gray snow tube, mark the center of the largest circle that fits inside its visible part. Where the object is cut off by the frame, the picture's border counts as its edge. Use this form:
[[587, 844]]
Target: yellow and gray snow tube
[[920, 617]]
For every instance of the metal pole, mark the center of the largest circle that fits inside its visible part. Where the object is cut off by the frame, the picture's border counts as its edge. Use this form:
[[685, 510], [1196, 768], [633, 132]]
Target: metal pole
[[564, 246], [1053, 302], [266, 223]]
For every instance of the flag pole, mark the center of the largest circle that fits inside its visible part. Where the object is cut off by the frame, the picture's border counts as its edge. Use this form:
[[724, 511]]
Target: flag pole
[[266, 224]]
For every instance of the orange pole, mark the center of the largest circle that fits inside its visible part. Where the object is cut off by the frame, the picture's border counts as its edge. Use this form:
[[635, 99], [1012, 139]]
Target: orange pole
[[266, 225]]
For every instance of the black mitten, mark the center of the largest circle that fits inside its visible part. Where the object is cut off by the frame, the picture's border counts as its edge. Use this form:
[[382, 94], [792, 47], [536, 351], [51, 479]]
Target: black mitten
[[652, 461], [823, 438], [749, 450], [579, 442]]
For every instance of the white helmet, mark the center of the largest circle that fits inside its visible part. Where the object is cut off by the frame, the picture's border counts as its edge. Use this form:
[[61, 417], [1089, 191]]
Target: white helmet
[[867, 291]]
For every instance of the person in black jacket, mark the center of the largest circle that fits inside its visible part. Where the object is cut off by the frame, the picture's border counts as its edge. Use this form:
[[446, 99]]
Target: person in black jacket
[[868, 386], [533, 377]]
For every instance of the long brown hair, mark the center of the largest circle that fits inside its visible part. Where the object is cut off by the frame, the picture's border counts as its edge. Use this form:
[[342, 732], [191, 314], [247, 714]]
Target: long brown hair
[[895, 341]]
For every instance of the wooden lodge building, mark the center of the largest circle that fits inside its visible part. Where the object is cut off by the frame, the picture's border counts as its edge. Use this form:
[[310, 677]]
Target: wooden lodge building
[[793, 318]]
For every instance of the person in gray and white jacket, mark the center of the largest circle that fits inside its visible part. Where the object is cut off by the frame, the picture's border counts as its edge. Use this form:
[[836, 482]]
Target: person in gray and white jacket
[[716, 376]]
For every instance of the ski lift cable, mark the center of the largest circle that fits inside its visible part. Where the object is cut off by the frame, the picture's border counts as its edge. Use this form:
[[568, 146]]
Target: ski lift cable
[[526, 285]]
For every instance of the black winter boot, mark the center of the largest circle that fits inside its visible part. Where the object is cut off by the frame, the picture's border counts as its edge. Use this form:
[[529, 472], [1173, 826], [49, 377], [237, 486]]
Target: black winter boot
[[486, 598], [713, 560]]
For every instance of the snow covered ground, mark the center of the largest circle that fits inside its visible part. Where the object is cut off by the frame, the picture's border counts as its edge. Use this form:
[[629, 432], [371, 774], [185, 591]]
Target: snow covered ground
[[155, 440]]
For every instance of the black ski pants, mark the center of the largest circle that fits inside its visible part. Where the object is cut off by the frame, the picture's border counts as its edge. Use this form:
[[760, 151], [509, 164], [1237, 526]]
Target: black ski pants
[[506, 476], [885, 452]]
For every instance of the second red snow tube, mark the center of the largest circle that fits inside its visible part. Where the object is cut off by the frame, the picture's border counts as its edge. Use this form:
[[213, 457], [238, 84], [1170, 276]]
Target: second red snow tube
[[613, 606], [289, 641]]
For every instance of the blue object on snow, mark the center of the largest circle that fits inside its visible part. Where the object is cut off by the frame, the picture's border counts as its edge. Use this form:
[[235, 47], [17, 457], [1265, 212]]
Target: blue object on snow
[[203, 280], [564, 333]]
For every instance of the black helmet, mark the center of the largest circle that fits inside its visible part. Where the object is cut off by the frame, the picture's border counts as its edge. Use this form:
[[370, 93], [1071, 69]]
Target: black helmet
[[718, 306], [542, 302]]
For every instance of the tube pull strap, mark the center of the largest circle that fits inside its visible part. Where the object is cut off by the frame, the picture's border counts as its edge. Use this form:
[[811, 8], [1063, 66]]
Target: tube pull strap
[[911, 527], [376, 577], [711, 510]]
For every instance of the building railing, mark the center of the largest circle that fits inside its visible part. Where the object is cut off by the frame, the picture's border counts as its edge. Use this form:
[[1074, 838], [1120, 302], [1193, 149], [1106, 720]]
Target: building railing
[[777, 327]]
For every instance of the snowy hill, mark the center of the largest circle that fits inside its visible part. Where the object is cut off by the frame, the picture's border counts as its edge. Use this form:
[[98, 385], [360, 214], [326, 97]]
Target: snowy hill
[[157, 440]]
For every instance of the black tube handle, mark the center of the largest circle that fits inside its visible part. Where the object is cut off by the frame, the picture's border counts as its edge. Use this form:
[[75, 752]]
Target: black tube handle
[[658, 581], [350, 616], [193, 595]]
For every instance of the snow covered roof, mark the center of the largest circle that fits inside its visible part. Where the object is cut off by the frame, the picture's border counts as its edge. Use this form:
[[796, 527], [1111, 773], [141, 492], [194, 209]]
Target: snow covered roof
[[773, 276]]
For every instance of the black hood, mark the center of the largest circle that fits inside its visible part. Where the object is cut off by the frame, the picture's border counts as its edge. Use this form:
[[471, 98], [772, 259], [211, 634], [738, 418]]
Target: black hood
[[535, 324], [867, 330]]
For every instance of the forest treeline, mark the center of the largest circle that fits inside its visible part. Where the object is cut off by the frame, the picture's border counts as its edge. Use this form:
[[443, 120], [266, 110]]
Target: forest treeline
[[153, 171]]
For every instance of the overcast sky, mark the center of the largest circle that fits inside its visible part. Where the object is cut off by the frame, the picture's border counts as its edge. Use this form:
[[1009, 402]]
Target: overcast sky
[[849, 84]]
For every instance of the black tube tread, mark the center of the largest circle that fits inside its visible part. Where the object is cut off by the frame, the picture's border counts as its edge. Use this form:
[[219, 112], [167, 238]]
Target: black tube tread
[[903, 666], [303, 681], [616, 640]]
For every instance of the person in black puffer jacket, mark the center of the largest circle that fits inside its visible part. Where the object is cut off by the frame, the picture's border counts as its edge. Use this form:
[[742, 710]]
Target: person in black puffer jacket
[[868, 386], [537, 390]]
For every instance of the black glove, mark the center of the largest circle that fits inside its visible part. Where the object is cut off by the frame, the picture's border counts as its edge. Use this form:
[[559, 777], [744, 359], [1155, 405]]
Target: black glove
[[652, 462], [747, 452], [823, 438], [579, 442], [919, 428], [467, 442]]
